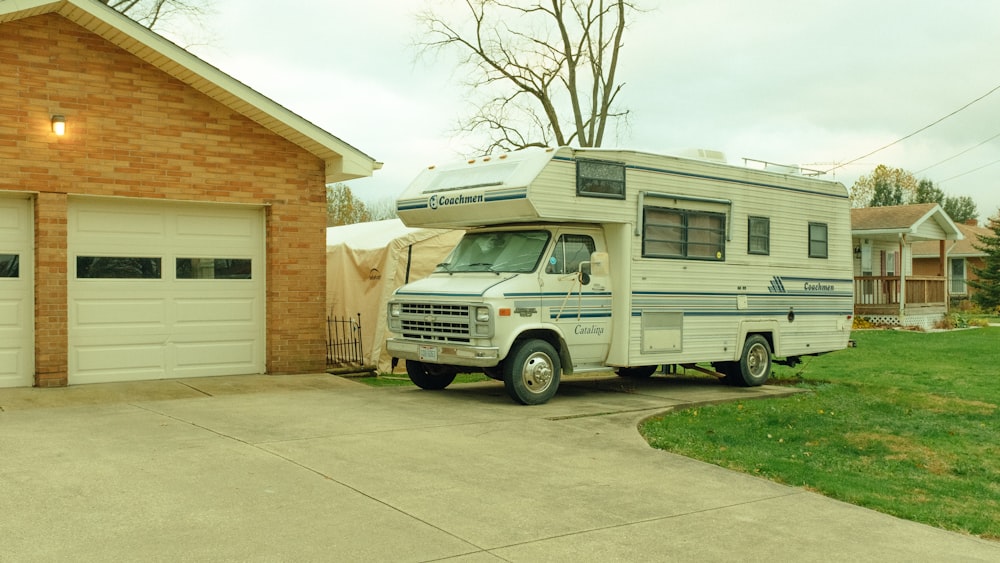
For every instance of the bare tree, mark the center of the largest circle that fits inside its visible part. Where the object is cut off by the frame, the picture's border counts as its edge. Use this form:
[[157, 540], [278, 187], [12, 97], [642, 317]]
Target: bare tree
[[546, 69], [382, 209], [152, 12]]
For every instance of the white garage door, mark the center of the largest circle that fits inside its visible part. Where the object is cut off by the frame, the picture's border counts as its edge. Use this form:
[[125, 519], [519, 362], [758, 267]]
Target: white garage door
[[161, 290], [17, 311]]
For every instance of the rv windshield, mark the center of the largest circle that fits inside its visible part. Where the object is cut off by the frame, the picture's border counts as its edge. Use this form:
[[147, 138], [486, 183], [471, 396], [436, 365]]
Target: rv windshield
[[497, 251]]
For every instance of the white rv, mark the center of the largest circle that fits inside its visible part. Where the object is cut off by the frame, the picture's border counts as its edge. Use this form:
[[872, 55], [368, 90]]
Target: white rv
[[581, 260]]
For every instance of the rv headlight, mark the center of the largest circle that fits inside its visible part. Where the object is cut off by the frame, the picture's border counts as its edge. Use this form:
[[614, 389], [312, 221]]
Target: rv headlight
[[483, 314], [395, 309]]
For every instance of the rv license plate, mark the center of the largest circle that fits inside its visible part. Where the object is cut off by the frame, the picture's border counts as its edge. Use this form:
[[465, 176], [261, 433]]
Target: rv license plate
[[428, 353]]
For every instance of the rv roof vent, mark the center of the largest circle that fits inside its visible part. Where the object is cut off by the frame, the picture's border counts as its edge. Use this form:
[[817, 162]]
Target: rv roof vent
[[703, 154]]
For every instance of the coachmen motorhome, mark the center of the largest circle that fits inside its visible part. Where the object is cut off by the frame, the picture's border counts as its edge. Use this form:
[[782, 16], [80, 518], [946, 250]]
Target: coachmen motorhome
[[585, 260]]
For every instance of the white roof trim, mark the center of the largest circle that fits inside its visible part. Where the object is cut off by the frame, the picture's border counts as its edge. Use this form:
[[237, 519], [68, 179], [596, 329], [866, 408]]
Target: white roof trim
[[943, 220]]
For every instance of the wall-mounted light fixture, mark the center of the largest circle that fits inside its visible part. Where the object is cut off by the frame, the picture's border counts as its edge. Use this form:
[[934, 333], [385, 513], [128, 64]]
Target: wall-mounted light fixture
[[59, 125]]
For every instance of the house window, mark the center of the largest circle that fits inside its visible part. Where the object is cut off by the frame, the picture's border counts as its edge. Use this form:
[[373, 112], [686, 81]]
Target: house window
[[598, 178], [570, 250], [9, 266], [117, 267], [890, 263], [958, 286], [818, 240], [759, 235], [213, 268], [680, 233]]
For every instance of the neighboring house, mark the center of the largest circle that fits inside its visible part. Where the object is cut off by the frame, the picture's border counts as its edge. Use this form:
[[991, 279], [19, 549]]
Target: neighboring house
[[962, 258], [176, 226], [887, 288]]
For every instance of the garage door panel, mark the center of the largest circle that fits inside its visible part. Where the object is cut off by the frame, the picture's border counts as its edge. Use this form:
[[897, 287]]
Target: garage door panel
[[224, 228], [10, 362], [126, 314], [96, 364], [191, 356], [203, 313], [11, 313], [12, 223], [17, 342], [129, 222], [216, 312]]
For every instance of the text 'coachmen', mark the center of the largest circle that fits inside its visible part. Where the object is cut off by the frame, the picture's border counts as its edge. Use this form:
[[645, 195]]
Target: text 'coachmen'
[[437, 201]]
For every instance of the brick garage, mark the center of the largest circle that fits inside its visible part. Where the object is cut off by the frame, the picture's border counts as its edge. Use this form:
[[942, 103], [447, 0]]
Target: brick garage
[[148, 124]]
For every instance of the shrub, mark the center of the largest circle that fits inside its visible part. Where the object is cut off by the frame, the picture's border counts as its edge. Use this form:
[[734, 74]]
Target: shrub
[[862, 323]]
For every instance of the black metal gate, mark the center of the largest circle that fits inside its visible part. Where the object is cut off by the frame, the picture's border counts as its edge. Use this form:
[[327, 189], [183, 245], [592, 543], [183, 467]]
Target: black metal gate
[[343, 341]]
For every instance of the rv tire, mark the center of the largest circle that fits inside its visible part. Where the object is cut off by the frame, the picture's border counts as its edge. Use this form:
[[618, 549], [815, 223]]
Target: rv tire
[[755, 363], [730, 371], [531, 372], [429, 376]]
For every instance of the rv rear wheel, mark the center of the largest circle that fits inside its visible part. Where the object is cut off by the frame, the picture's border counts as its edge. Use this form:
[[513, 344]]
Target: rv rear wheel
[[531, 372], [755, 363], [429, 376]]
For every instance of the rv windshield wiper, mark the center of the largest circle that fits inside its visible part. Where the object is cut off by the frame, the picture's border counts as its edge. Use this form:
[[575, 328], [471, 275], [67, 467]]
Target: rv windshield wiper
[[487, 266], [444, 266]]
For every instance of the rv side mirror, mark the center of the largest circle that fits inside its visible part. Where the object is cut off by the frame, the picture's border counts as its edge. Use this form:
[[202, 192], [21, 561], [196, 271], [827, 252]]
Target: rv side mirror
[[599, 264]]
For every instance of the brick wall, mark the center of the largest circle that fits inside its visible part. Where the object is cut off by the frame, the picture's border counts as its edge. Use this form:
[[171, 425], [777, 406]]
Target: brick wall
[[50, 290], [133, 131]]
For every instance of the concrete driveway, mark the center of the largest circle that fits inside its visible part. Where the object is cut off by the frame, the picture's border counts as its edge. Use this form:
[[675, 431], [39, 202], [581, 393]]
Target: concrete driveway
[[320, 468]]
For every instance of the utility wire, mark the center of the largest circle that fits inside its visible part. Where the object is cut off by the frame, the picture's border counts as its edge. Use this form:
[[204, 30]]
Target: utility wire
[[959, 154], [969, 172], [924, 128]]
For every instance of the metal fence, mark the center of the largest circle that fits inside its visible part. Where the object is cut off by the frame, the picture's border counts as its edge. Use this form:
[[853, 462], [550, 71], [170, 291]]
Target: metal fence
[[343, 341]]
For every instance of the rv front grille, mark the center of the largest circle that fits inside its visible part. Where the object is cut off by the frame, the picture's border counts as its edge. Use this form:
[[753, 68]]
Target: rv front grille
[[436, 322]]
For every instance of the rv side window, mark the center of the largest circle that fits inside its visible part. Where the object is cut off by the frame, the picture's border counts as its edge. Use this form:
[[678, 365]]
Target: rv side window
[[680, 233], [595, 178], [570, 250], [759, 235], [818, 240]]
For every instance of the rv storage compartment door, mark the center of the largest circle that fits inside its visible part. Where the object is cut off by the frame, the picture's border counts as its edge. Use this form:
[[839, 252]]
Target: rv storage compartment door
[[662, 332]]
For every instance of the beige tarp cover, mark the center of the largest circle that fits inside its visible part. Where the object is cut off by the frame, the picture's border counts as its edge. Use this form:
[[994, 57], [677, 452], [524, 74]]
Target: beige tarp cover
[[366, 262]]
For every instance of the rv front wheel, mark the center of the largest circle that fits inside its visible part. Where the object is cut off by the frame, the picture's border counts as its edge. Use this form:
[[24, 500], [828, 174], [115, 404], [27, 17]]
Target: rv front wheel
[[429, 376], [755, 363], [531, 372]]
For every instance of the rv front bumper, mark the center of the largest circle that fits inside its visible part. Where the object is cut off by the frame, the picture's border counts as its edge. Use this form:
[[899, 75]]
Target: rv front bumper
[[448, 354]]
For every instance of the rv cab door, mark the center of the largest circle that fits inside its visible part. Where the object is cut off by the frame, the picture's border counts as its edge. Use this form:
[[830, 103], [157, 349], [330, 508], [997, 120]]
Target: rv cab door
[[576, 299]]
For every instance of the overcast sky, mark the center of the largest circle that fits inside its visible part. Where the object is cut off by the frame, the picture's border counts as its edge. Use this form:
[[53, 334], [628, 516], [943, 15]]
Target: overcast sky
[[813, 83]]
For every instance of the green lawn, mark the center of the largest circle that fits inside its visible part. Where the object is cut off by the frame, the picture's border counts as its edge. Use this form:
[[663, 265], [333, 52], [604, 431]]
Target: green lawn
[[906, 423]]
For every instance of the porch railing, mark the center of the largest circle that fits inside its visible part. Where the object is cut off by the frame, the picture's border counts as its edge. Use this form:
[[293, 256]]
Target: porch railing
[[881, 294]]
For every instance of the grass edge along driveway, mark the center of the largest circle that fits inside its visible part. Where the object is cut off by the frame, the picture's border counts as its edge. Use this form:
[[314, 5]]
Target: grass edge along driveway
[[907, 424]]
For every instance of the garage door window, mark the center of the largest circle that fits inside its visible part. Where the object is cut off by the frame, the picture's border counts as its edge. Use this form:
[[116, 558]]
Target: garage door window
[[213, 269], [117, 267], [9, 267]]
